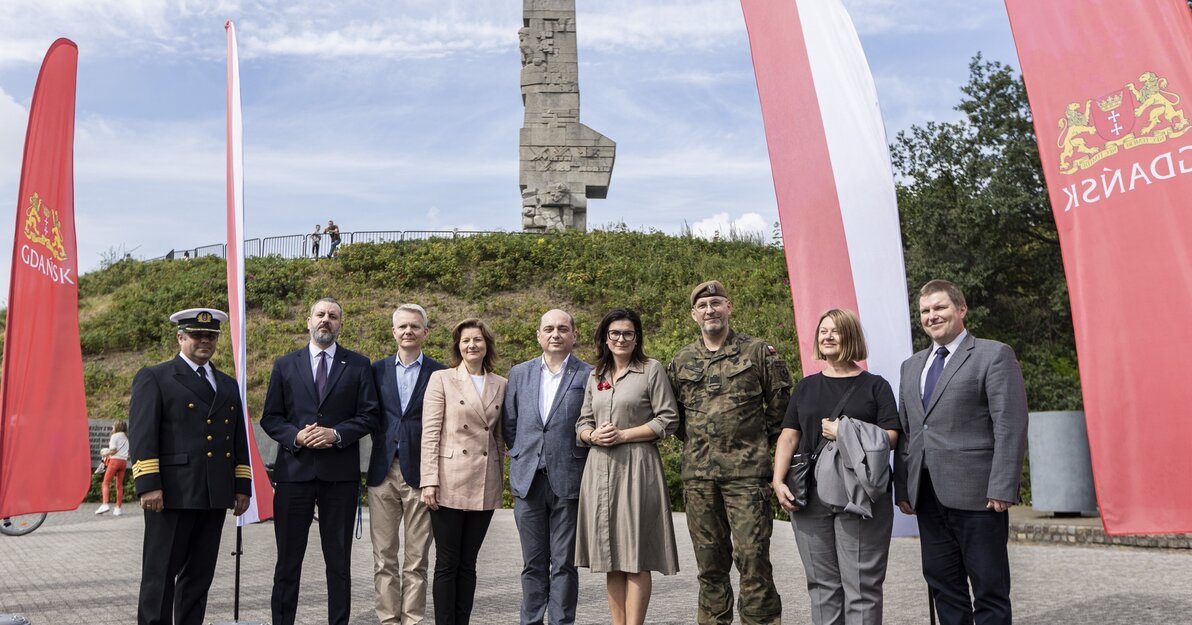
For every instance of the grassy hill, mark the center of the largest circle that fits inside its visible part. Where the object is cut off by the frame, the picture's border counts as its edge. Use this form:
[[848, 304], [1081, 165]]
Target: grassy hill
[[508, 280]]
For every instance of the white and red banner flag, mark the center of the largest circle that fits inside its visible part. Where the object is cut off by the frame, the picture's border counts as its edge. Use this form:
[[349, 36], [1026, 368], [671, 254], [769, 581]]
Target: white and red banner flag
[[1109, 83], [45, 453], [832, 175], [261, 506], [832, 178]]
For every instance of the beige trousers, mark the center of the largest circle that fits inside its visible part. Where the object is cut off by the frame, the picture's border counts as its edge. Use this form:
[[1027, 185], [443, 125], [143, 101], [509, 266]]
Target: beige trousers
[[401, 587]]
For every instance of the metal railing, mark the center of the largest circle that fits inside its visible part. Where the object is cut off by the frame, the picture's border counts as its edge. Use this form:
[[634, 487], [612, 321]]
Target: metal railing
[[299, 245]]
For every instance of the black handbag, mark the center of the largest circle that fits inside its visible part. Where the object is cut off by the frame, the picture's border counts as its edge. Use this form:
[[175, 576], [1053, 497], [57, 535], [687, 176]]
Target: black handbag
[[800, 475]]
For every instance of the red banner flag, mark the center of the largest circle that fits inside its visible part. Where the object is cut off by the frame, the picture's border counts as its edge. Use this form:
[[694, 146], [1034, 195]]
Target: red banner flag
[[44, 450], [1108, 83], [260, 507]]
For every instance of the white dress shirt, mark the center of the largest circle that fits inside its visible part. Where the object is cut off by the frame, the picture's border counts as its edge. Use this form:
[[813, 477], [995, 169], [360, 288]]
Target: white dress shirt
[[550, 385]]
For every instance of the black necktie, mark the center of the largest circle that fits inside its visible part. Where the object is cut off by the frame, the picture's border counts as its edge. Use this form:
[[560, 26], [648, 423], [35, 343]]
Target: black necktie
[[203, 374], [321, 375], [933, 375]]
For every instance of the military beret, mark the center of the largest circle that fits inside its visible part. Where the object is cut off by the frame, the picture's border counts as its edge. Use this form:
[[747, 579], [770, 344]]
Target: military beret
[[711, 288], [199, 319]]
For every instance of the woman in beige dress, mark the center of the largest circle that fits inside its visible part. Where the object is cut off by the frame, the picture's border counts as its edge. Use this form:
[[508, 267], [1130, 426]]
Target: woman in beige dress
[[625, 527]]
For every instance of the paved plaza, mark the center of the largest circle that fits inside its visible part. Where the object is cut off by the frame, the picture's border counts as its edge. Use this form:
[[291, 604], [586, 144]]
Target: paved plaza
[[82, 569]]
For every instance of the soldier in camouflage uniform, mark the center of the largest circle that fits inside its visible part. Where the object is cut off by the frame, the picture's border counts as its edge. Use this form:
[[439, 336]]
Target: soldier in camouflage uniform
[[732, 391]]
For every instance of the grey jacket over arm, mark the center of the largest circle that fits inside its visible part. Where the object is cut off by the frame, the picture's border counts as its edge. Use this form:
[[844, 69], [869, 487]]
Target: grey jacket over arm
[[853, 471]]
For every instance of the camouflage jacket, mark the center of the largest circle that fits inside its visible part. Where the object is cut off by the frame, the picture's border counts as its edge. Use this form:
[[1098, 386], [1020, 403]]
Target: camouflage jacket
[[731, 405]]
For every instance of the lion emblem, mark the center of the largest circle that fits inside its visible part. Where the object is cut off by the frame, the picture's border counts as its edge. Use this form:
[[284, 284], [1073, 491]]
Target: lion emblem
[[1153, 96], [1072, 126]]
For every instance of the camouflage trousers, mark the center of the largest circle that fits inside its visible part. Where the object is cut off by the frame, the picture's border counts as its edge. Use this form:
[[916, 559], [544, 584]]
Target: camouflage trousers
[[730, 522]]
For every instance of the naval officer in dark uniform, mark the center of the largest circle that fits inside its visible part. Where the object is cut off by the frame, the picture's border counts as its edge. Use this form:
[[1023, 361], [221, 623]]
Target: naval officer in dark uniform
[[189, 465]]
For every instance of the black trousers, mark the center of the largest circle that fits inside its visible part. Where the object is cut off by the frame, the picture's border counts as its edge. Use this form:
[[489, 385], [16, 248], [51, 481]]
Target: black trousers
[[293, 510], [458, 536], [963, 546], [177, 564]]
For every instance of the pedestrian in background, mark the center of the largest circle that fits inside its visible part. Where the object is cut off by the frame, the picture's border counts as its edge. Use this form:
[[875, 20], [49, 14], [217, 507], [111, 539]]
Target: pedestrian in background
[[117, 463], [332, 232], [314, 238]]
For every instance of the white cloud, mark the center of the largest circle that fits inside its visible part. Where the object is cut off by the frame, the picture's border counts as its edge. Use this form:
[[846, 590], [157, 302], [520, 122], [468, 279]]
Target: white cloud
[[721, 225], [661, 25]]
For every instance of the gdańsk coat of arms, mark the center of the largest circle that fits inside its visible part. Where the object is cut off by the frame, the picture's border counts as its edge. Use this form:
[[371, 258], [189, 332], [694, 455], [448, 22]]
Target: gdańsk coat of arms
[[42, 226], [1119, 120]]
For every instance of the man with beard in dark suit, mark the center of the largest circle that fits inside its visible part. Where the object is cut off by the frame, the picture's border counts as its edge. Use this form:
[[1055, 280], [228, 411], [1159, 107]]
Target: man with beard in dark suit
[[321, 400], [189, 465]]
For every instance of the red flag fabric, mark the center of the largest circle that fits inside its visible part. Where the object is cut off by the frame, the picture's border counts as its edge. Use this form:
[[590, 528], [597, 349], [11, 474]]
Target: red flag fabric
[[260, 508], [44, 449], [1108, 83]]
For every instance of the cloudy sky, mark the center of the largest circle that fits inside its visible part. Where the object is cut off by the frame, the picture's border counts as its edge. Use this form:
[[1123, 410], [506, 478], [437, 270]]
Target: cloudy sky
[[404, 114]]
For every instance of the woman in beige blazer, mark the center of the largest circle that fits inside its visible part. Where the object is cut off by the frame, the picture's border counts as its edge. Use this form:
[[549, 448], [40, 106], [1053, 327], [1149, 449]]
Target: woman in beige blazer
[[462, 475]]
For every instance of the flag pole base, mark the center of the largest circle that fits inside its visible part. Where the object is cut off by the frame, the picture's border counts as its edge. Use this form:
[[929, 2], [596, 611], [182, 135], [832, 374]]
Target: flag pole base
[[13, 619]]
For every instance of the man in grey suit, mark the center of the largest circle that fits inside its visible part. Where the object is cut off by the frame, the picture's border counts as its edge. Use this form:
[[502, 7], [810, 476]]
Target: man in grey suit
[[964, 417], [542, 403]]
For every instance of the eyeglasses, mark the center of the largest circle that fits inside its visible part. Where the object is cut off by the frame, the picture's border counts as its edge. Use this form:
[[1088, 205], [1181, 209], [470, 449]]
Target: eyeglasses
[[622, 335]]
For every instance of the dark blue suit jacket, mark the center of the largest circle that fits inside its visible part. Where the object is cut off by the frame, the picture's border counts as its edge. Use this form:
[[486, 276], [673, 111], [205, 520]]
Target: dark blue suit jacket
[[186, 439], [350, 407], [396, 429]]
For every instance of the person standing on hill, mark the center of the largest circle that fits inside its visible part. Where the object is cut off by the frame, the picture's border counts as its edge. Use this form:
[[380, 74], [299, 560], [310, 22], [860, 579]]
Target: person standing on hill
[[332, 231], [314, 238]]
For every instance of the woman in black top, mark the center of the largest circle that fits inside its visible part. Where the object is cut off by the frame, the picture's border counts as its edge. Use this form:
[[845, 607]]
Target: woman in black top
[[843, 554]]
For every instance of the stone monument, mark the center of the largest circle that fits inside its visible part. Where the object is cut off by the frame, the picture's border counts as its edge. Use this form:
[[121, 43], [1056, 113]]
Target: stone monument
[[563, 162]]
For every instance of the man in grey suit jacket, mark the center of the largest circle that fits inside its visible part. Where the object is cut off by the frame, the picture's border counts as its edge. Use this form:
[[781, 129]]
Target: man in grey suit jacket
[[964, 417], [542, 403], [394, 474]]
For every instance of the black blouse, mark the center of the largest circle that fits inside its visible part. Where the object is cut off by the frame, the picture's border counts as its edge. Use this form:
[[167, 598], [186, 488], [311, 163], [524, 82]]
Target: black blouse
[[816, 395]]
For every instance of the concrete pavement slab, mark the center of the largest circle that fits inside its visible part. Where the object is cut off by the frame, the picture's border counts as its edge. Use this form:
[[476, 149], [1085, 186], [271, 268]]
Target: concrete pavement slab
[[85, 569]]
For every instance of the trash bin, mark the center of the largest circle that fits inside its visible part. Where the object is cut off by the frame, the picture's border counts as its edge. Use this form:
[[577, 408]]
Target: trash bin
[[1061, 471]]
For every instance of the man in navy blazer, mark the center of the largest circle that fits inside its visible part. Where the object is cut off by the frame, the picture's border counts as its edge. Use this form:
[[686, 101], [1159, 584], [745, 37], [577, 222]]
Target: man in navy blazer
[[542, 402], [394, 473], [959, 463], [321, 400]]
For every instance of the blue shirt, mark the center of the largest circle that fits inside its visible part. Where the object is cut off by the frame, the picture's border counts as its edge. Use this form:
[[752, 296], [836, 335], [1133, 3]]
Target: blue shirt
[[407, 378]]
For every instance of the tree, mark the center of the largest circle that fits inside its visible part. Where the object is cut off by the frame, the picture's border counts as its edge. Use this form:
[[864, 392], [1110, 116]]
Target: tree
[[975, 210]]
